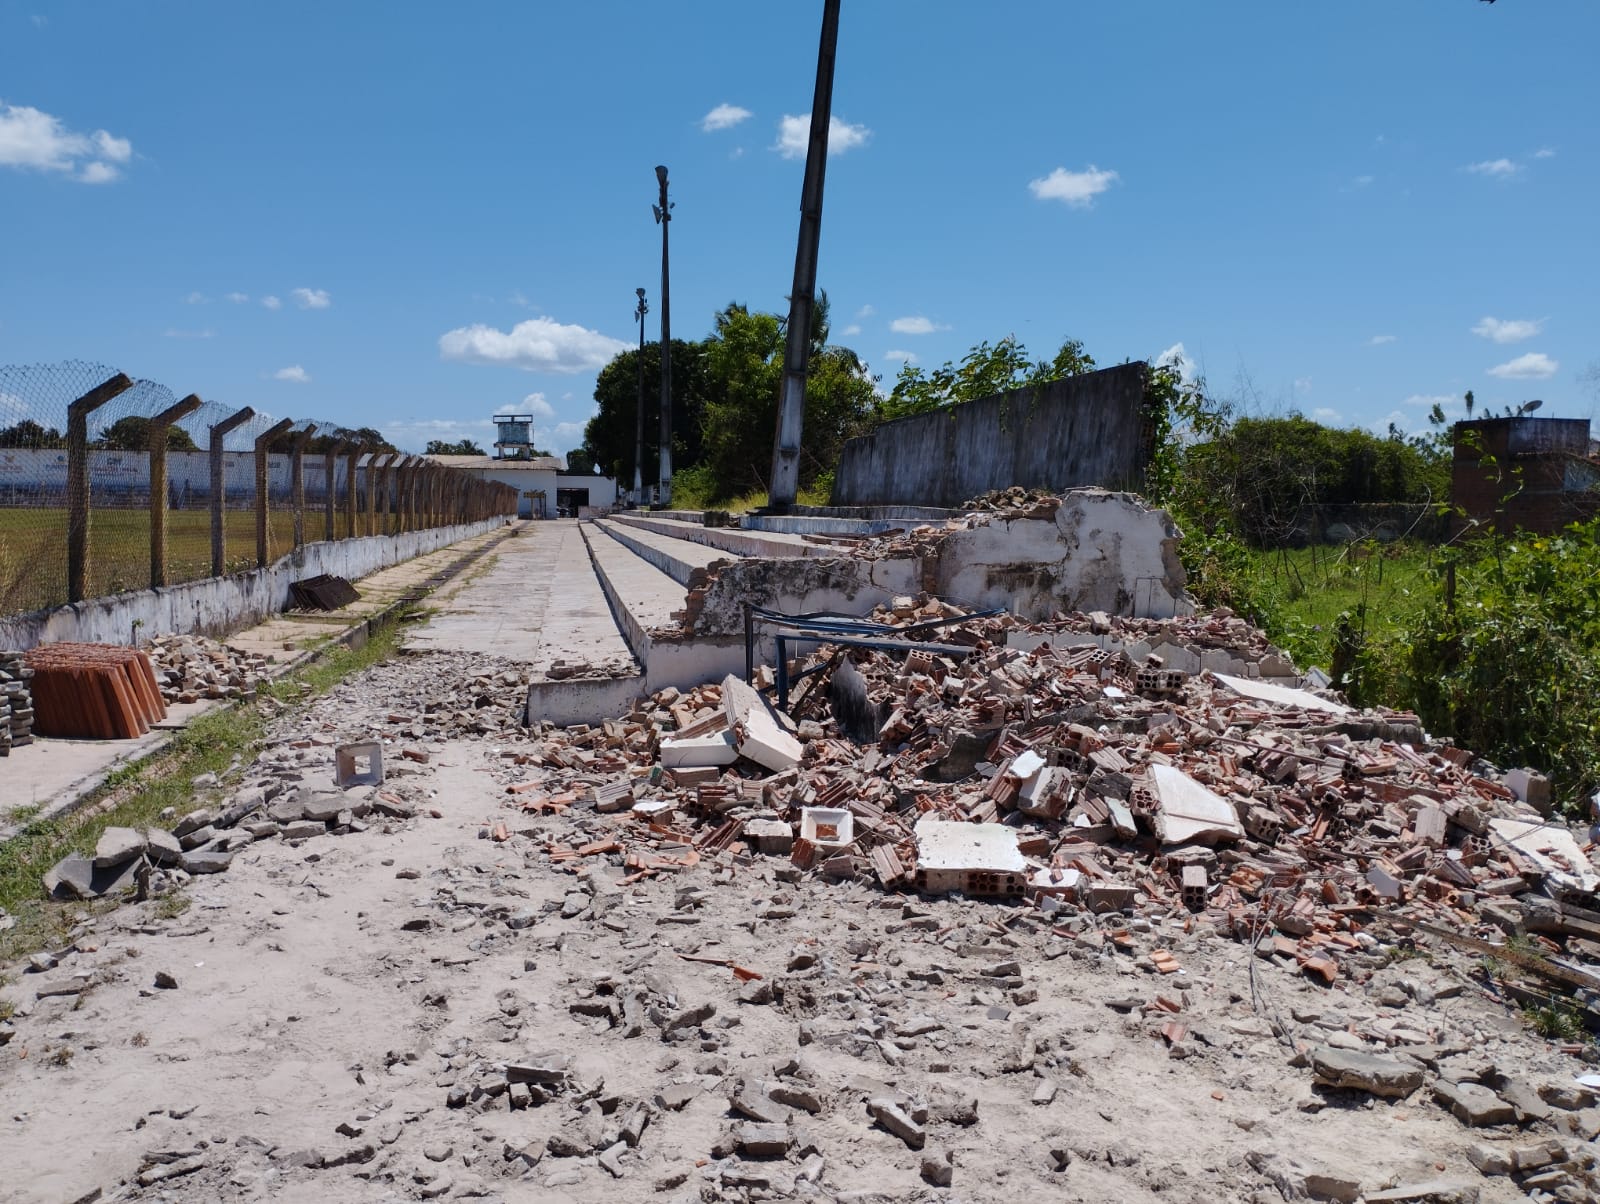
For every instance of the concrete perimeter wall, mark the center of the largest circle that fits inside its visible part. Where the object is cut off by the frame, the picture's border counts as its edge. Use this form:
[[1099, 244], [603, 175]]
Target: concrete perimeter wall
[[1082, 431], [217, 606]]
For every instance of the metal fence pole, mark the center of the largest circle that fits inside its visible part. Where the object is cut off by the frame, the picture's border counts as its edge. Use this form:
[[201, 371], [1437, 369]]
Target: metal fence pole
[[263, 441], [402, 493], [219, 484], [78, 481], [160, 425], [297, 484], [351, 459], [330, 467], [372, 493]]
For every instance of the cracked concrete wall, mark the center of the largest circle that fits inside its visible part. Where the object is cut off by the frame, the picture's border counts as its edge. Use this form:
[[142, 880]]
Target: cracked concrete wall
[[1082, 431], [1101, 551], [796, 585]]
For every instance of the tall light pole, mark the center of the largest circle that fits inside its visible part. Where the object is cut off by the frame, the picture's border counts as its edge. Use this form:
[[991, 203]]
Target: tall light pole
[[638, 438], [663, 212], [797, 350]]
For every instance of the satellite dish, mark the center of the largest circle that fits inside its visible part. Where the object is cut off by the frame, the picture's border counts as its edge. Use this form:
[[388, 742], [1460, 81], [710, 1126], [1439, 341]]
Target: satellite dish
[[1529, 407]]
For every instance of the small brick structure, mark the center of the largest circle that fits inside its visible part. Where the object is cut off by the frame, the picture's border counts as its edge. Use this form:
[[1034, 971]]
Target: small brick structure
[[1530, 474]]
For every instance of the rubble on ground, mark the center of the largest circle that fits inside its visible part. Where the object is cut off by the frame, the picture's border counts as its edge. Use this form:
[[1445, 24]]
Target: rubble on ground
[[190, 668], [16, 702], [1076, 923]]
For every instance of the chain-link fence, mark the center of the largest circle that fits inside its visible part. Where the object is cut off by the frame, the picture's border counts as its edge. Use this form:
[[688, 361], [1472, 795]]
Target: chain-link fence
[[110, 484]]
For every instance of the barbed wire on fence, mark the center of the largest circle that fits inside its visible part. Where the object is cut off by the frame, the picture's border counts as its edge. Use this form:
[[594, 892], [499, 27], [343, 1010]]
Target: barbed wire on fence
[[109, 483]]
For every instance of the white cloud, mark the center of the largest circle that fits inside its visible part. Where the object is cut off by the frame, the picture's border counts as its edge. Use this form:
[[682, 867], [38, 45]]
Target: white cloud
[[1545, 152], [174, 333], [724, 117], [271, 302], [1302, 384], [311, 298], [294, 374], [197, 298], [566, 436], [1176, 357], [1429, 400], [1381, 340], [1362, 181], [853, 328], [1075, 188], [794, 134], [518, 299], [866, 311], [916, 325], [909, 357], [1324, 414], [31, 139], [535, 404], [1498, 169], [1513, 330], [537, 345], [237, 298], [1536, 365]]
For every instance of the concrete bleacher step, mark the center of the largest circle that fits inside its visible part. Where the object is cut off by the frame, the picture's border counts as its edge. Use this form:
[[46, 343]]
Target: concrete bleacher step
[[678, 558], [728, 539], [644, 601]]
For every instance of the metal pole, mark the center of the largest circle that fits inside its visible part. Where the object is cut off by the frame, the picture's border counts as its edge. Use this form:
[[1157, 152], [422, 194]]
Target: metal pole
[[219, 485], [330, 474], [159, 426], [797, 350], [663, 213], [638, 438]]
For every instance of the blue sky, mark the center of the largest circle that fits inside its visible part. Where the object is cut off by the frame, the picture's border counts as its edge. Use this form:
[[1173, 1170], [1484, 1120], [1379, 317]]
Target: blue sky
[[411, 216]]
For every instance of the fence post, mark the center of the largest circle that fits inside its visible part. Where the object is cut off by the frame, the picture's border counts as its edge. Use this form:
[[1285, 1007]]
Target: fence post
[[380, 519], [402, 493], [297, 483], [351, 500], [219, 484], [78, 481], [372, 493], [159, 426], [263, 452], [330, 468]]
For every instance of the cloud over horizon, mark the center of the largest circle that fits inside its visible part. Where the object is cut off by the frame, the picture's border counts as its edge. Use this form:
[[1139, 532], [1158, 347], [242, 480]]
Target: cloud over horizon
[[33, 140], [536, 345]]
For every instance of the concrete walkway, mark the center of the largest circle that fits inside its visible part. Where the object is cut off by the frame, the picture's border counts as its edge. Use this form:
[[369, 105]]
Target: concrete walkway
[[538, 601], [49, 776]]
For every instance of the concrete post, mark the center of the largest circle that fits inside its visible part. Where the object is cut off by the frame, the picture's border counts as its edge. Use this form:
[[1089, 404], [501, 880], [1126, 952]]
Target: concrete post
[[159, 426], [297, 484], [785, 484], [78, 481], [330, 468], [352, 498], [219, 485], [263, 442]]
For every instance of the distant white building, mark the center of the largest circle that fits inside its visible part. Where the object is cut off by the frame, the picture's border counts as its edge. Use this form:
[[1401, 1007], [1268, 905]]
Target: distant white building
[[544, 487]]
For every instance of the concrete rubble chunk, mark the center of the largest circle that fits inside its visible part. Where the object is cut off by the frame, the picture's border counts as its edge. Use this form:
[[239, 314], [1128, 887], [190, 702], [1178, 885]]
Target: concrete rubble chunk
[[1189, 812], [980, 859], [1353, 1071], [1432, 1191], [206, 862], [693, 752], [888, 1113], [117, 846], [1474, 1104]]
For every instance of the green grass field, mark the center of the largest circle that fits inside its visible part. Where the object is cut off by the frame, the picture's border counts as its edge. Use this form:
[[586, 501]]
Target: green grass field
[[1313, 586], [33, 550]]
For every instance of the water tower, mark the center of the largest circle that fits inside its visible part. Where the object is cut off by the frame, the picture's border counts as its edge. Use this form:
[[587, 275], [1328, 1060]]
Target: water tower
[[513, 436]]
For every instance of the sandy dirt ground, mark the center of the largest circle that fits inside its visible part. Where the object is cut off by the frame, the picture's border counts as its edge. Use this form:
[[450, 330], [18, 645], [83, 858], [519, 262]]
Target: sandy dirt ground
[[419, 1011]]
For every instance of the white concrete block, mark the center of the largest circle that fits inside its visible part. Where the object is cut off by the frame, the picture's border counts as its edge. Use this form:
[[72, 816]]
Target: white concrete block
[[1190, 812], [692, 752]]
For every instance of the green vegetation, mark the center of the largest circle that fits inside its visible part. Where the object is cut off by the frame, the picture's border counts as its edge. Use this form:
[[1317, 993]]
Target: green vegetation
[[983, 372], [461, 447], [1557, 1020], [207, 745]]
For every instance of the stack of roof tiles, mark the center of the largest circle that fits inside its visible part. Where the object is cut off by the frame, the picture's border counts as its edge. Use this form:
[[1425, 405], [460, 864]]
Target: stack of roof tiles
[[94, 691]]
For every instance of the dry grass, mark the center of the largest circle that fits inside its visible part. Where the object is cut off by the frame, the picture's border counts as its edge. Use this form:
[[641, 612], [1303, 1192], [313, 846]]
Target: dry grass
[[33, 549]]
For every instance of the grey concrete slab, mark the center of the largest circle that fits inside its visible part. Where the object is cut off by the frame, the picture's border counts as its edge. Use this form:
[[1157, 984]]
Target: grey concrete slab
[[678, 558], [538, 601], [729, 539]]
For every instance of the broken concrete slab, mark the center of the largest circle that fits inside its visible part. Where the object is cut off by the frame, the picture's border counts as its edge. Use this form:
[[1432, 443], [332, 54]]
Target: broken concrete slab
[[977, 859], [117, 846], [1263, 691], [693, 752], [1187, 812], [1351, 1070]]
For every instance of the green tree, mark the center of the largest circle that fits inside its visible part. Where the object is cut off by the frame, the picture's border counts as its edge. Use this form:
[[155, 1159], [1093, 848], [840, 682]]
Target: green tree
[[580, 460], [744, 369], [461, 447], [983, 372], [609, 436], [29, 433], [133, 434]]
